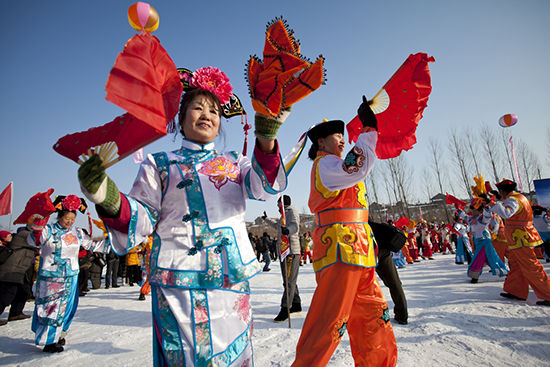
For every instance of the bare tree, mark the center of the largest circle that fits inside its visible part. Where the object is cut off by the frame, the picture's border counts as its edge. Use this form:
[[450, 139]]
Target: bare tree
[[401, 174], [528, 165], [372, 178], [490, 147], [457, 151], [391, 191], [427, 184], [471, 145], [505, 138], [436, 153]]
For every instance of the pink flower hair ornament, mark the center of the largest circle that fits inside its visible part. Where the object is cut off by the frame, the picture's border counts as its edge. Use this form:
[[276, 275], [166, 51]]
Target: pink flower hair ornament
[[213, 80]]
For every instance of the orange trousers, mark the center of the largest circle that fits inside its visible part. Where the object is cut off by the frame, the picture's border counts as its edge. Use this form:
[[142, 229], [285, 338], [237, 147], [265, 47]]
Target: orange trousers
[[405, 252], [347, 296], [145, 288], [525, 271]]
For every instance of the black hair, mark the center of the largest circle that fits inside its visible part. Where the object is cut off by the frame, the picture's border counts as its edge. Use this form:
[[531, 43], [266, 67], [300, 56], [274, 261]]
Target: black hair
[[312, 153], [286, 200]]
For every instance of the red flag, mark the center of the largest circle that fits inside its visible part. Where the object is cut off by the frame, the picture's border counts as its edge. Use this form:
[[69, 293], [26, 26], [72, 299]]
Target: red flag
[[454, 201], [6, 199], [420, 211]]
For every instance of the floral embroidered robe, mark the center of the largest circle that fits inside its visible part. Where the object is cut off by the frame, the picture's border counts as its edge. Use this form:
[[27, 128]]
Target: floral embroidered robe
[[57, 279], [192, 201]]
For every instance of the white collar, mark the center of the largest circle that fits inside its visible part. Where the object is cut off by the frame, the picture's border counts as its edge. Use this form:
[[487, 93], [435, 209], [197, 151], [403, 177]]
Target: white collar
[[188, 144]]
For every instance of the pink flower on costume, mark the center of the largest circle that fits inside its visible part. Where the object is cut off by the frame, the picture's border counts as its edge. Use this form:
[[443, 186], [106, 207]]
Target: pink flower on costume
[[199, 333], [201, 315], [213, 80], [51, 309], [220, 170], [167, 277], [69, 239], [242, 306], [54, 287]]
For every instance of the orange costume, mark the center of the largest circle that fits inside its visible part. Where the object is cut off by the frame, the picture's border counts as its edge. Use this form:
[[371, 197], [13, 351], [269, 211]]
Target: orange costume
[[522, 237], [348, 295], [500, 243], [146, 287]]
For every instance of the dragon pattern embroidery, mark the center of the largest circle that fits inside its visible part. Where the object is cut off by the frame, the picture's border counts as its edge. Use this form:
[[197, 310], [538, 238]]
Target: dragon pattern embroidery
[[354, 160]]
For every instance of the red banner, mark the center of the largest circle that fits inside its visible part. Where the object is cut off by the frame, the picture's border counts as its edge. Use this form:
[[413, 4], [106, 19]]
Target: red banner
[[6, 199], [285, 243]]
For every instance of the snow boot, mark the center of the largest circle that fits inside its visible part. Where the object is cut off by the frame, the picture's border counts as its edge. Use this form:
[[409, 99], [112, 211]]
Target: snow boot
[[282, 316], [296, 308], [53, 348], [511, 296]]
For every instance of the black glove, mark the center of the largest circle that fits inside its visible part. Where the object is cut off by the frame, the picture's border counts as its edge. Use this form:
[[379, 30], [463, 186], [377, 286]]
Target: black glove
[[285, 231], [485, 198], [496, 194], [265, 215], [366, 115]]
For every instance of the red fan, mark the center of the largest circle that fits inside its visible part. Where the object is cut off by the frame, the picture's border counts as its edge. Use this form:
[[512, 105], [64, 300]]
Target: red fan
[[398, 107], [40, 203], [112, 141], [145, 82], [453, 200]]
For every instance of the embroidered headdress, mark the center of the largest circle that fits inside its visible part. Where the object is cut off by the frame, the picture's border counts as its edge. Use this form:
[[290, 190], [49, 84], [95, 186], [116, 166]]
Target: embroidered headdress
[[70, 203], [213, 80]]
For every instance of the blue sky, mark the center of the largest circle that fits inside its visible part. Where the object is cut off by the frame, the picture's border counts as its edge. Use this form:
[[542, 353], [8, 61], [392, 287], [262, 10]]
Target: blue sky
[[491, 59]]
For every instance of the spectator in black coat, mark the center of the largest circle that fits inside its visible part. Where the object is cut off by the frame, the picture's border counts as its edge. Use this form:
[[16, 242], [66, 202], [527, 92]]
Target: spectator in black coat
[[96, 268], [111, 274], [84, 275], [263, 248], [16, 275]]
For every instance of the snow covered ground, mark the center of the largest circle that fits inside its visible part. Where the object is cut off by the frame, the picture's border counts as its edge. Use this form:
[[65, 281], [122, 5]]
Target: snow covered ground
[[451, 323]]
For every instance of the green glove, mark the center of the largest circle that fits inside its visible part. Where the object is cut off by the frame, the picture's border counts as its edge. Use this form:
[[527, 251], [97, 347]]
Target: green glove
[[98, 187], [267, 127]]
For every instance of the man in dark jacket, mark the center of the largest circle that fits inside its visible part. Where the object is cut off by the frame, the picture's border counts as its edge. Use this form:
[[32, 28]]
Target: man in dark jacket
[[387, 271], [111, 274], [263, 248], [16, 276], [291, 265]]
